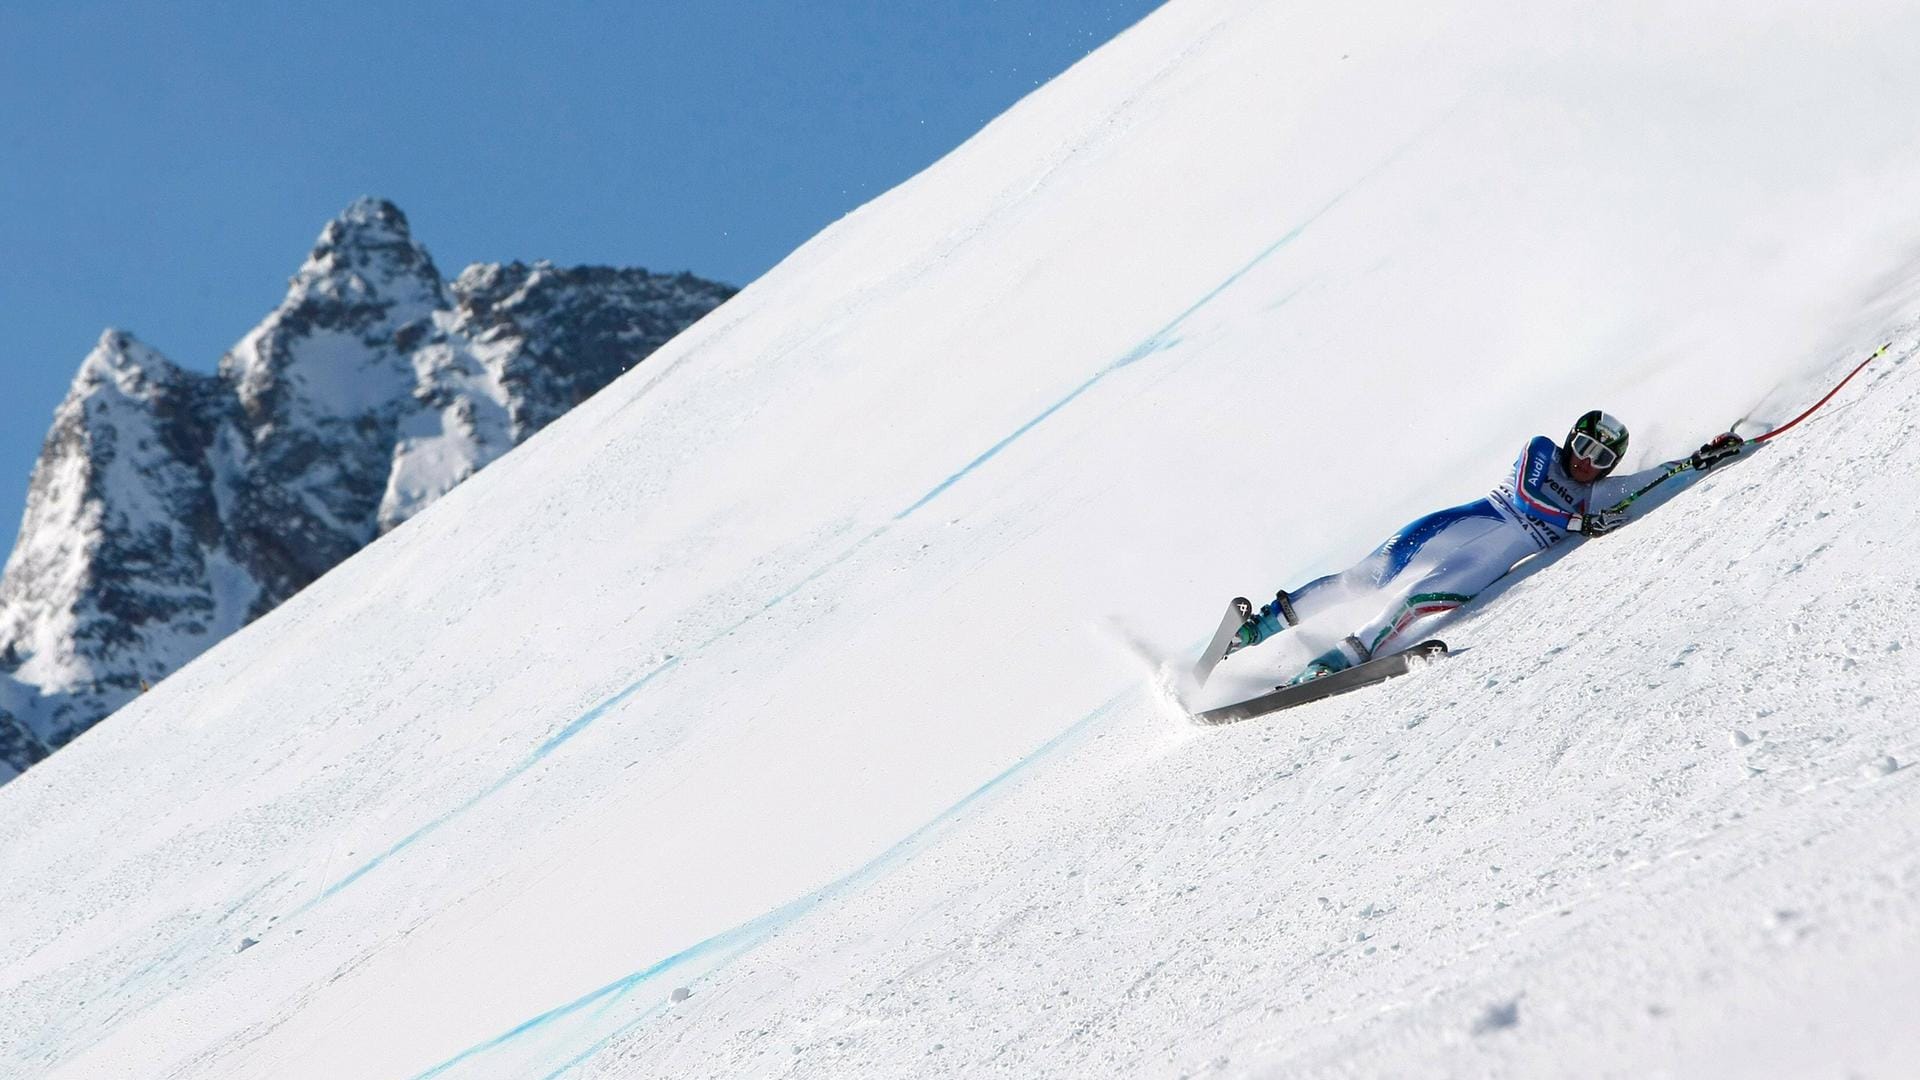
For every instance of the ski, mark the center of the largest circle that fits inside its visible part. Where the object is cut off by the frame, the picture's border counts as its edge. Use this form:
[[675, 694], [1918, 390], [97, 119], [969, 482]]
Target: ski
[[1237, 614], [1353, 678]]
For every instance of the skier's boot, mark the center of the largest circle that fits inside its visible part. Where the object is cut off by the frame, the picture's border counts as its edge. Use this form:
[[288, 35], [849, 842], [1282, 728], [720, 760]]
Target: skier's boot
[[1260, 625], [1281, 608], [1249, 631], [1339, 658]]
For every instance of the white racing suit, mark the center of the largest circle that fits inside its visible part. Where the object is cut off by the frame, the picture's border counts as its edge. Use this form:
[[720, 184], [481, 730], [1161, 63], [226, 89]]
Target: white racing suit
[[1441, 561]]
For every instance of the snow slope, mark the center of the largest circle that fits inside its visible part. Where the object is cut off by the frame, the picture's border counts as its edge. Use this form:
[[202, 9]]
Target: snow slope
[[785, 671], [1676, 847]]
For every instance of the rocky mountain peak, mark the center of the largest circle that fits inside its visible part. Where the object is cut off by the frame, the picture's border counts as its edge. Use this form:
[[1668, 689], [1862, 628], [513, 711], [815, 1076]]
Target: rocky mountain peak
[[120, 511], [483, 286], [367, 254], [169, 508], [335, 333], [368, 220], [122, 361]]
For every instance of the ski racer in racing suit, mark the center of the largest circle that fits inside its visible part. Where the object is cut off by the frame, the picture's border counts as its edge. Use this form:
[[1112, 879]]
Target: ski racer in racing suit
[[1441, 561]]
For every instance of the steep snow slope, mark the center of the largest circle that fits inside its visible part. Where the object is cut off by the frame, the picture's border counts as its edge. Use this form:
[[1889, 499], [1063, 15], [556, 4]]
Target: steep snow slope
[[782, 671], [1658, 819]]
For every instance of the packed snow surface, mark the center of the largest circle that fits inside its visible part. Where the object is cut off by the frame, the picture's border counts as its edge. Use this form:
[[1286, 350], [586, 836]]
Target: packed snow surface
[[782, 710]]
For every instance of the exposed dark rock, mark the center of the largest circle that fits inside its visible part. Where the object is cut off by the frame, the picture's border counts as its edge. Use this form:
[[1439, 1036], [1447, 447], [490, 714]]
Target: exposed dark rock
[[170, 508]]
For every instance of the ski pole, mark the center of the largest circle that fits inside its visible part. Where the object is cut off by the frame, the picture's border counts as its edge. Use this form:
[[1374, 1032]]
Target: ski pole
[[1824, 400], [1675, 468]]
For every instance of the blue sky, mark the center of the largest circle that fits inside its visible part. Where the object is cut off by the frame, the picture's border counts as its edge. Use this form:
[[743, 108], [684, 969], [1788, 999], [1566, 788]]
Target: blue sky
[[165, 167]]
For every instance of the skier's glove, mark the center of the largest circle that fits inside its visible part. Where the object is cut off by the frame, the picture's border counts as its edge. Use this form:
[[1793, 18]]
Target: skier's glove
[[1720, 449], [1596, 524]]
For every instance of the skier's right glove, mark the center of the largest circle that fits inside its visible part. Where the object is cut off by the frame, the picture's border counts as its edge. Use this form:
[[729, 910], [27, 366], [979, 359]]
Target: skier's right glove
[[1720, 449], [1596, 524]]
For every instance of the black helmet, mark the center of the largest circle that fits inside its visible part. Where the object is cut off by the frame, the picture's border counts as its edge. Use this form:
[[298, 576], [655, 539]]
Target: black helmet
[[1597, 439]]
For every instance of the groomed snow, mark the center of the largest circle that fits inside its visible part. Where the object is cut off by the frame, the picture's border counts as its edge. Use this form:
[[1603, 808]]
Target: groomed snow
[[789, 676], [1633, 829]]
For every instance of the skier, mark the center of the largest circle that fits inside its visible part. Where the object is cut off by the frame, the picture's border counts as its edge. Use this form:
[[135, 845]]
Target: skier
[[1443, 560]]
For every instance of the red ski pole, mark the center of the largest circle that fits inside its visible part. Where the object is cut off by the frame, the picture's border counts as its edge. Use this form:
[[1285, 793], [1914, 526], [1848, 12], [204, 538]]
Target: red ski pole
[[1675, 468], [1824, 400]]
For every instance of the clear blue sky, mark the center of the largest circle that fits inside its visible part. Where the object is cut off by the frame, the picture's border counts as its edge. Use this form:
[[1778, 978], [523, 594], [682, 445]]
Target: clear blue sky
[[165, 167]]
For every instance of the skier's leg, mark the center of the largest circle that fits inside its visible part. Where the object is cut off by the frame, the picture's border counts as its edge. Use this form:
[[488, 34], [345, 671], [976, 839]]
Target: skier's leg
[[1383, 564], [1421, 538], [1455, 566], [1291, 607], [1433, 565]]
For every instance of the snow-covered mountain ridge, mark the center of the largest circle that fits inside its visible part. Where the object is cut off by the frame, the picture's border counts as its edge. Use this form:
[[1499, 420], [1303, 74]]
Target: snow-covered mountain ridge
[[170, 508], [783, 672]]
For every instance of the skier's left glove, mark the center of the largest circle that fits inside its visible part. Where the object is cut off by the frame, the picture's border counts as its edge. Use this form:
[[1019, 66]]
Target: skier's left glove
[[1599, 523], [1722, 448]]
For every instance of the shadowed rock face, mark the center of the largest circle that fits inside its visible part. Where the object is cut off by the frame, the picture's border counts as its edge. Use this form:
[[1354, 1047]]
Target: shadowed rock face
[[322, 385], [170, 508]]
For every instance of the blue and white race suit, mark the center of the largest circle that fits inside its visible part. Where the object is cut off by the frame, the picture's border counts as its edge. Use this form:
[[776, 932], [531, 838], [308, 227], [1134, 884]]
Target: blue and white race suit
[[1441, 561]]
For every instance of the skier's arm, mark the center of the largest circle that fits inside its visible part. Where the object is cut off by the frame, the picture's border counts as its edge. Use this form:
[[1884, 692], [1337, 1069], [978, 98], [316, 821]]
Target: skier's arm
[[1714, 451], [1529, 479], [1719, 449]]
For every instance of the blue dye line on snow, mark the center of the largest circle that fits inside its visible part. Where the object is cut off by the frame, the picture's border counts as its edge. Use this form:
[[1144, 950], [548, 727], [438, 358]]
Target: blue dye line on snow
[[1159, 341], [554, 742], [994, 450], [731, 943], [602, 1043]]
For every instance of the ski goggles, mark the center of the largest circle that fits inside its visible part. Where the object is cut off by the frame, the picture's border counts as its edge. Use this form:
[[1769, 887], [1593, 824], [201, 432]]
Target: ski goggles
[[1592, 450]]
